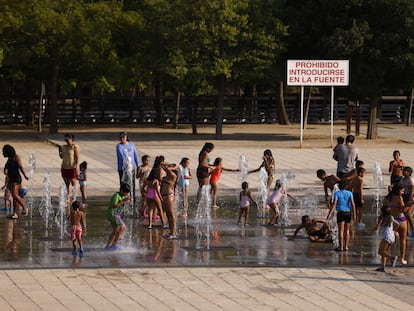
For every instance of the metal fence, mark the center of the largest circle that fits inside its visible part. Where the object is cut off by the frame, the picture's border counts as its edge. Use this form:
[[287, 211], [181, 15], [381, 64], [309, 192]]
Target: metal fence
[[237, 109]]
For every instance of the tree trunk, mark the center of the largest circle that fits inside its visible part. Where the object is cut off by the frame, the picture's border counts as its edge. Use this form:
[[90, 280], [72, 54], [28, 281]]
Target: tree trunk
[[220, 105], [372, 130], [280, 107], [53, 100], [177, 110]]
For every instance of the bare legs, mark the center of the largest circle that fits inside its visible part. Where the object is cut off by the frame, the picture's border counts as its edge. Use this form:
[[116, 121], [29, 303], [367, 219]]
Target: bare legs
[[153, 204], [117, 232], [245, 211], [17, 200], [275, 216], [70, 183], [344, 235]]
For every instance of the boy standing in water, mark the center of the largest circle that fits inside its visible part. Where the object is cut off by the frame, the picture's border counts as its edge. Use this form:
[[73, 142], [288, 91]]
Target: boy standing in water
[[356, 187], [114, 216], [77, 220]]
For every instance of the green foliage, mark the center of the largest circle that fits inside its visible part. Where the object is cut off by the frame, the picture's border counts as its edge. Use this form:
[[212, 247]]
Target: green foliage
[[186, 45]]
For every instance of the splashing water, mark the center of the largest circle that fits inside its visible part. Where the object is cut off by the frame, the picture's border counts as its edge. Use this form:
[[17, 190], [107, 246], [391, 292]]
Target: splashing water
[[286, 180], [332, 225], [378, 187], [310, 206], [261, 196], [32, 163], [203, 218], [128, 178], [45, 206], [60, 215], [243, 167]]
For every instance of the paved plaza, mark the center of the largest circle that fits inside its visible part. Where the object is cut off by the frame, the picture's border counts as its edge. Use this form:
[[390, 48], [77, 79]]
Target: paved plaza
[[249, 268]]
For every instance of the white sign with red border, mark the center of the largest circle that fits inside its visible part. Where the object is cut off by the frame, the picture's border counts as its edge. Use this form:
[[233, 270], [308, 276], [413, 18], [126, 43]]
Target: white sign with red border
[[318, 72]]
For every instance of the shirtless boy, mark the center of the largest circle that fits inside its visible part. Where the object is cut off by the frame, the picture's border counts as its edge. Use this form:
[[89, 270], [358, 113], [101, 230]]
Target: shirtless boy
[[77, 219], [396, 167], [356, 185], [328, 183], [316, 233]]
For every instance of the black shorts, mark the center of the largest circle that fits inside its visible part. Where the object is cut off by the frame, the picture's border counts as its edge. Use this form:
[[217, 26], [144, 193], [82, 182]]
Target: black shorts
[[320, 234], [343, 216]]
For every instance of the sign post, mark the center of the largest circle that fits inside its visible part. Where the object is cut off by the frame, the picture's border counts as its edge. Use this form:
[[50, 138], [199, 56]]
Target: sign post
[[317, 73]]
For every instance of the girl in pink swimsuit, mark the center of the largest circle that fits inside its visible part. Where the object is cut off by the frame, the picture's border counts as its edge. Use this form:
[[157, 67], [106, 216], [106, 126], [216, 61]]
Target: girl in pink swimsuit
[[273, 201]]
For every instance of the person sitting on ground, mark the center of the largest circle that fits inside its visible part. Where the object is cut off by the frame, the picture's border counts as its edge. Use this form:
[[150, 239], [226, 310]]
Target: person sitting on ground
[[316, 233], [328, 183]]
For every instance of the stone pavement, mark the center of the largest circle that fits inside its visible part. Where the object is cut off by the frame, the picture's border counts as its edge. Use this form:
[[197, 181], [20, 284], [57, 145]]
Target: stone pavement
[[347, 288]]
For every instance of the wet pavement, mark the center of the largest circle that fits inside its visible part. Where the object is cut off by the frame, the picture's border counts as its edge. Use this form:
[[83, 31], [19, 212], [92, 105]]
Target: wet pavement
[[29, 243], [251, 267]]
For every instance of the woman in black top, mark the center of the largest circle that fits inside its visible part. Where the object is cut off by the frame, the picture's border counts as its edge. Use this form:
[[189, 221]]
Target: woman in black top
[[12, 170]]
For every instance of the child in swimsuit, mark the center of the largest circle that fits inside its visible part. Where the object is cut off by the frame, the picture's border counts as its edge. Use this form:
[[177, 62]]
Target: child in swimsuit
[[395, 168], [388, 226], [154, 198], [168, 198], [83, 180], [143, 172], [215, 177], [268, 164], [183, 182], [245, 198], [77, 219], [273, 201]]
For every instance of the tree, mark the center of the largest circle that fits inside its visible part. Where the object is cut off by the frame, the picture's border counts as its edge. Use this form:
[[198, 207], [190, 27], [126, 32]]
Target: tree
[[63, 40]]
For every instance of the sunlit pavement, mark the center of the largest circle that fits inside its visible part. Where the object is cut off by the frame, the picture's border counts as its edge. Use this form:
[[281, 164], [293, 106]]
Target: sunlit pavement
[[245, 267]]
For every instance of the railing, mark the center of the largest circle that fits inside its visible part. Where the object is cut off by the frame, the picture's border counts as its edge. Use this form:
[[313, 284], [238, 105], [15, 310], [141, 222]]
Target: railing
[[237, 109]]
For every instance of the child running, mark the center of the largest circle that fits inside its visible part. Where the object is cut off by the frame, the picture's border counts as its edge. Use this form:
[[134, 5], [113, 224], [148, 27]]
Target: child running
[[83, 180], [77, 220], [215, 177], [114, 216], [273, 202], [183, 183], [388, 227], [245, 198]]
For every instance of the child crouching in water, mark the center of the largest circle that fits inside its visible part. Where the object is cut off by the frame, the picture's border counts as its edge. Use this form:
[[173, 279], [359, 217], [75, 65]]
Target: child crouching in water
[[77, 220], [388, 226], [245, 198]]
